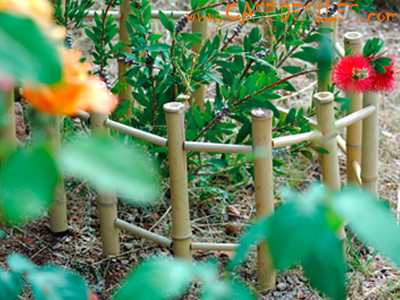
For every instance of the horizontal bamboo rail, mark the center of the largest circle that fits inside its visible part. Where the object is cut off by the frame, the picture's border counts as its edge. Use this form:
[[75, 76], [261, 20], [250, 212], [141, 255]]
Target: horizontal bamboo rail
[[339, 50], [161, 240], [166, 242], [355, 117], [278, 142], [218, 246], [217, 148], [313, 123]]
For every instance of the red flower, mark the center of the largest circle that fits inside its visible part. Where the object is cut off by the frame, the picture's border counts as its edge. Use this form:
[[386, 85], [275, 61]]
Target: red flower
[[385, 82], [353, 74]]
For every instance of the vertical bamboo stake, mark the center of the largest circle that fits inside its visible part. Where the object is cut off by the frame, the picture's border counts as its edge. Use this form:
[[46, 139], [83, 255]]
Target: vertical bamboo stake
[[353, 40], [199, 95], [267, 23], [326, 122], [58, 209], [264, 188], [181, 229], [106, 202], [370, 143], [329, 162], [7, 131], [126, 93]]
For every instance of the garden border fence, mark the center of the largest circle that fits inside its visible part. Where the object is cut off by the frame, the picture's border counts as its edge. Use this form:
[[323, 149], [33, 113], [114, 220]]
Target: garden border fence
[[361, 149]]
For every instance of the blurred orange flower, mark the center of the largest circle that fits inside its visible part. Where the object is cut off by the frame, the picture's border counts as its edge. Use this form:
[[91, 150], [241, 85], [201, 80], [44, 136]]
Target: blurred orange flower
[[34, 9], [76, 91]]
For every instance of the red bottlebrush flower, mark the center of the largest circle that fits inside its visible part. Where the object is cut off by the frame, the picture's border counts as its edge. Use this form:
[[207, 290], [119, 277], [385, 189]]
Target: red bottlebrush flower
[[385, 82], [353, 74]]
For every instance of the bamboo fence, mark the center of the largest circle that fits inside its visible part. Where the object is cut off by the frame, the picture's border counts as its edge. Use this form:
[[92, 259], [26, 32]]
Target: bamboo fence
[[361, 149]]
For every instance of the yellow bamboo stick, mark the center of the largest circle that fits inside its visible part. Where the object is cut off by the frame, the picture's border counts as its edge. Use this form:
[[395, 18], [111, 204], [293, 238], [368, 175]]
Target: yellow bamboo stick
[[181, 229], [370, 143], [126, 93], [106, 202], [264, 188], [329, 162], [326, 122], [199, 95], [353, 41], [58, 209]]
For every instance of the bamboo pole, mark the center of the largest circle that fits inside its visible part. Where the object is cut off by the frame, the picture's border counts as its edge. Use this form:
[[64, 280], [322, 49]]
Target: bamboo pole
[[326, 121], [370, 143], [199, 95], [181, 229], [106, 202], [126, 93], [264, 189], [8, 134], [58, 209], [329, 162], [268, 25], [353, 41], [218, 247], [161, 240]]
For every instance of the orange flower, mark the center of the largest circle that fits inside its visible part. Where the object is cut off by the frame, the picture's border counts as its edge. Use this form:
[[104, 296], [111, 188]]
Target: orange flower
[[33, 9], [76, 91]]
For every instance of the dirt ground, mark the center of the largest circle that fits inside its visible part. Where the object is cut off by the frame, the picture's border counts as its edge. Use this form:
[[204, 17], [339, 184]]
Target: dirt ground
[[216, 208]]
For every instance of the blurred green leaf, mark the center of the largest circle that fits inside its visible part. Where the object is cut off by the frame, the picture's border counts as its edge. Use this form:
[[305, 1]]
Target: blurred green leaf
[[51, 283], [111, 165], [10, 285], [325, 265], [26, 53], [258, 232], [19, 263], [157, 280], [370, 219], [27, 181]]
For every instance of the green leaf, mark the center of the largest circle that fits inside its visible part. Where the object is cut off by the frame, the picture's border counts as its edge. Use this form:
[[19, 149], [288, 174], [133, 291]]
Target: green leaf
[[25, 53], [292, 69], [165, 21], [158, 280], [258, 232], [190, 37], [19, 263], [110, 165], [10, 285], [155, 47], [27, 181], [57, 283], [325, 265], [243, 132], [2, 234], [370, 219]]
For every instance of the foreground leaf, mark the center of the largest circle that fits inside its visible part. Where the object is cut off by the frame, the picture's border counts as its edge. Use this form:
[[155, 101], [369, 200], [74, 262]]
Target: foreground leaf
[[157, 280], [55, 283], [25, 53], [27, 182], [110, 165], [10, 285], [325, 266], [371, 220]]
